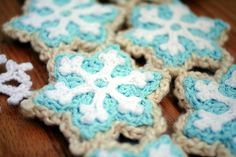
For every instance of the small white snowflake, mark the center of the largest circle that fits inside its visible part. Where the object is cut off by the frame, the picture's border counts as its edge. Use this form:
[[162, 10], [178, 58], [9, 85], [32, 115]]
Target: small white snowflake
[[16, 72]]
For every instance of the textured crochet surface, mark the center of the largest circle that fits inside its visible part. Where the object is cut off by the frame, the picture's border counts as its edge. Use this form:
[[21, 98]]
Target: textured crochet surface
[[211, 118], [15, 72], [171, 36], [64, 25], [99, 96]]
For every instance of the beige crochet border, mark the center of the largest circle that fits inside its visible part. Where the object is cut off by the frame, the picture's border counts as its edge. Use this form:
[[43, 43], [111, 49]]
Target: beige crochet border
[[79, 146], [154, 61], [131, 148], [46, 52], [195, 145]]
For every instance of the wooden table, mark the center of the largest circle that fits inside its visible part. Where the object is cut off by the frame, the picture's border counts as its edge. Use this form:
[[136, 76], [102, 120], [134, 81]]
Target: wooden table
[[20, 136]]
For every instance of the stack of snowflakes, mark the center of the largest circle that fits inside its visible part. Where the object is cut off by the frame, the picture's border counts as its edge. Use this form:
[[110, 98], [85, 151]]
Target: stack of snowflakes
[[98, 94]]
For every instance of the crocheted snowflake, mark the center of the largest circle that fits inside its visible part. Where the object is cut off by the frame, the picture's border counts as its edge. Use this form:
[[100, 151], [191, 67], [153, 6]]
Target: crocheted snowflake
[[174, 33], [161, 147], [99, 92], [214, 109], [65, 24], [17, 73]]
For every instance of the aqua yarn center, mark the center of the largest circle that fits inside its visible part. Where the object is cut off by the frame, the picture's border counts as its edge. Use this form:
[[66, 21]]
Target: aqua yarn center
[[101, 83], [175, 27]]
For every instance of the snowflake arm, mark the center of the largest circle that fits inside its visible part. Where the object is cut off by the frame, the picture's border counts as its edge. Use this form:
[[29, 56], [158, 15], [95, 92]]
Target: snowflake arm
[[64, 94]]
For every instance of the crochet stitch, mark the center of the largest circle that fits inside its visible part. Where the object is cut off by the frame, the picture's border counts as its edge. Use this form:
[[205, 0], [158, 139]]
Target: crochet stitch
[[16, 72], [212, 118], [97, 94], [64, 25], [155, 148], [171, 36]]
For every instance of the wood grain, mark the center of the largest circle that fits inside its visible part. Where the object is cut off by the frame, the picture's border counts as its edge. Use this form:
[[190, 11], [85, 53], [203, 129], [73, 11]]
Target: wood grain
[[26, 137]]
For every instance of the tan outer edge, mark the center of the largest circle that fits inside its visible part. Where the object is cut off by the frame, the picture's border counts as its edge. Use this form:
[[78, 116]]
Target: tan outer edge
[[79, 146], [46, 52], [195, 145]]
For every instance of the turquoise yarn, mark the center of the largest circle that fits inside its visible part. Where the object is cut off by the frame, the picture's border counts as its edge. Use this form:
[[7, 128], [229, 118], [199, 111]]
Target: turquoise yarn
[[93, 65], [227, 133], [165, 13], [155, 144]]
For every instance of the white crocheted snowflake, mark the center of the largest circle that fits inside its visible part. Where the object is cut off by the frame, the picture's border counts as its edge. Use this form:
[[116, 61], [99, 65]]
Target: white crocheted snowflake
[[72, 12], [17, 73], [174, 27], [101, 84]]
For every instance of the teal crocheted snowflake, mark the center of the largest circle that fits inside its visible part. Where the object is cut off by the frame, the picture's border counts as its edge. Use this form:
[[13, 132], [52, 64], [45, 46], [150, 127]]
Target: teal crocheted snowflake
[[213, 119], [51, 25], [100, 92], [174, 35]]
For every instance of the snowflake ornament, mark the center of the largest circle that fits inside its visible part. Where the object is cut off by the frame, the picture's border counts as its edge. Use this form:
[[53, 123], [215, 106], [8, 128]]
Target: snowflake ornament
[[171, 36], [211, 118], [16, 72], [52, 26], [93, 95], [163, 146]]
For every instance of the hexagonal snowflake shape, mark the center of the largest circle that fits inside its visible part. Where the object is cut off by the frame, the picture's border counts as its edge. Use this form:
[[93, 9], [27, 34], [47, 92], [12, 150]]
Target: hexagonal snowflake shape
[[208, 128], [98, 97], [171, 36], [161, 147], [52, 26]]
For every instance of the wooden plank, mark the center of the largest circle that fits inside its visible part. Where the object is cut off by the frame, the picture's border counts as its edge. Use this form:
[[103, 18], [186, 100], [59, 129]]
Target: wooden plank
[[20, 136], [25, 137]]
